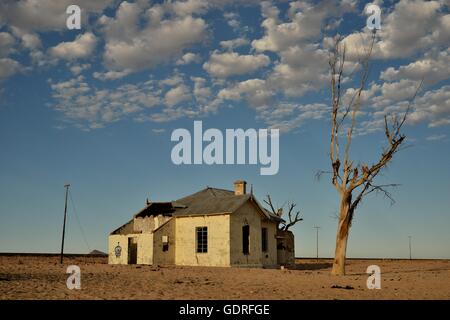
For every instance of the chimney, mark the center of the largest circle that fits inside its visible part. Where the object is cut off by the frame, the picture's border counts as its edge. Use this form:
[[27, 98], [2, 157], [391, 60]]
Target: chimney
[[239, 187]]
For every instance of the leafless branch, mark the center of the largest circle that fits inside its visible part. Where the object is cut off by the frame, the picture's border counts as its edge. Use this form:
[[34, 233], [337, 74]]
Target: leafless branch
[[382, 189], [268, 201], [292, 219], [319, 174]]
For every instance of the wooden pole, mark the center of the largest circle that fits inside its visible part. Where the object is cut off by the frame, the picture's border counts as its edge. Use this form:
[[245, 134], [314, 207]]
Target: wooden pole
[[317, 243], [410, 255], [64, 223]]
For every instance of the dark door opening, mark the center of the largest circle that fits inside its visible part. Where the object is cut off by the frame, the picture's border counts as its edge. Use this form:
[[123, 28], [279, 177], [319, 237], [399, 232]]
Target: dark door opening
[[264, 239], [246, 239], [132, 251]]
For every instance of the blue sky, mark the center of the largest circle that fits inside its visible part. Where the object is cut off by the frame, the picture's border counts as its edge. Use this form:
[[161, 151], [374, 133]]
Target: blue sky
[[96, 107]]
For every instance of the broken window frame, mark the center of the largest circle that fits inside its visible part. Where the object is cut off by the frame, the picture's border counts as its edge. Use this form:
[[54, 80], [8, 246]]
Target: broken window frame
[[165, 244]]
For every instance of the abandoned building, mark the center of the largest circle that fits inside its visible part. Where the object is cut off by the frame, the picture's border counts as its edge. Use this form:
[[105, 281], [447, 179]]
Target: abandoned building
[[212, 227]]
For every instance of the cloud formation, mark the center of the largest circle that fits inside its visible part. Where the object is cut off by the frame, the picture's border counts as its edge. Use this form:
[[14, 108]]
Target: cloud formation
[[160, 62], [161, 40], [82, 47], [224, 65]]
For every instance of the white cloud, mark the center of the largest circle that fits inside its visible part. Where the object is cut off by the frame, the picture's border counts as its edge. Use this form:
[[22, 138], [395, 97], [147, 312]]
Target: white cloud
[[177, 95], [142, 35], [82, 47], [436, 137], [392, 99], [289, 116], [171, 114], [188, 58], [89, 108], [41, 59], [254, 91], [434, 107], [397, 91], [232, 19], [45, 15], [301, 69], [129, 46], [29, 40], [7, 43], [305, 23], [223, 65], [8, 67], [412, 26], [234, 43], [111, 75], [432, 68], [201, 91], [172, 81], [79, 68], [303, 64], [189, 7]]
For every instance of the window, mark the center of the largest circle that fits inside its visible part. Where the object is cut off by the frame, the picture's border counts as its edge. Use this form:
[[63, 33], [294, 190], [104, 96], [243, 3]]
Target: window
[[165, 243], [264, 239], [202, 239], [246, 239]]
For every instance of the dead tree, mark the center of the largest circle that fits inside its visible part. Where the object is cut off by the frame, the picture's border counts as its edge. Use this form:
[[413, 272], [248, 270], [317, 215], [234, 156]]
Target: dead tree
[[292, 220], [354, 181]]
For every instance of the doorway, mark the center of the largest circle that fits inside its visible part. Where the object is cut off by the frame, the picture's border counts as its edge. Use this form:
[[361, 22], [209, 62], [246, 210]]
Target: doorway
[[132, 250], [246, 239]]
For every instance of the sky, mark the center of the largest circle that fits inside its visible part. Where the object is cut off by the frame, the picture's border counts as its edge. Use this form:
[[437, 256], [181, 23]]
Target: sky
[[96, 107]]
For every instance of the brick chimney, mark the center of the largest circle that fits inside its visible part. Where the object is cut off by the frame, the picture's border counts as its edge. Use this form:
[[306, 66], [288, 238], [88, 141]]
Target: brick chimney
[[239, 187]]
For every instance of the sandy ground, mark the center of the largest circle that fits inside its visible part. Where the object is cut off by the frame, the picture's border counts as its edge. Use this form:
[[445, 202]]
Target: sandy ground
[[27, 277]]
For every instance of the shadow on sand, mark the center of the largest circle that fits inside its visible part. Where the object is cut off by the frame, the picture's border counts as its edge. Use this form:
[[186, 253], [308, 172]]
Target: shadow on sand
[[311, 266]]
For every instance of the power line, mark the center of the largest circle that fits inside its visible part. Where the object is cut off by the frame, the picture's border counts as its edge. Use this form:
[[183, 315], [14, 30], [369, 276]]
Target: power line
[[64, 223], [78, 222]]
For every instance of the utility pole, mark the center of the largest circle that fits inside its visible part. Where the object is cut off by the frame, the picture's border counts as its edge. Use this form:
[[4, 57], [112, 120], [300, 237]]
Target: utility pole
[[410, 256], [317, 242], [64, 224]]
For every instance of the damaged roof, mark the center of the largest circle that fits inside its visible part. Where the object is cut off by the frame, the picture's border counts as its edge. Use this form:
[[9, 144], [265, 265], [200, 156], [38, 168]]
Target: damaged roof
[[125, 229], [207, 201], [155, 208]]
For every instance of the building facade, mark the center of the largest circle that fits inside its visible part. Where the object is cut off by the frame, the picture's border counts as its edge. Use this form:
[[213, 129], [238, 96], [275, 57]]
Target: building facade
[[213, 227]]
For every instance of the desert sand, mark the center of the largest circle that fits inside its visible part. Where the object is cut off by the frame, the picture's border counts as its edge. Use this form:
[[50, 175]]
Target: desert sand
[[33, 277]]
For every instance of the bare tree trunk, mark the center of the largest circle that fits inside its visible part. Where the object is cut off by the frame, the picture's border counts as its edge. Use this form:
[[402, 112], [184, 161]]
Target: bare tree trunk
[[342, 235], [348, 178]]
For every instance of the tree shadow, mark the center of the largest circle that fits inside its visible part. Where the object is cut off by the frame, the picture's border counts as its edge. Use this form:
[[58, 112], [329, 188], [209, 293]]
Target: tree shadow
[[311, 266]]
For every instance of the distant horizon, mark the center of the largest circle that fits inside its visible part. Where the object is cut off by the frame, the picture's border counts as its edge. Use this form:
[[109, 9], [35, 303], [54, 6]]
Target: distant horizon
[[308, 258], [97, 107]]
